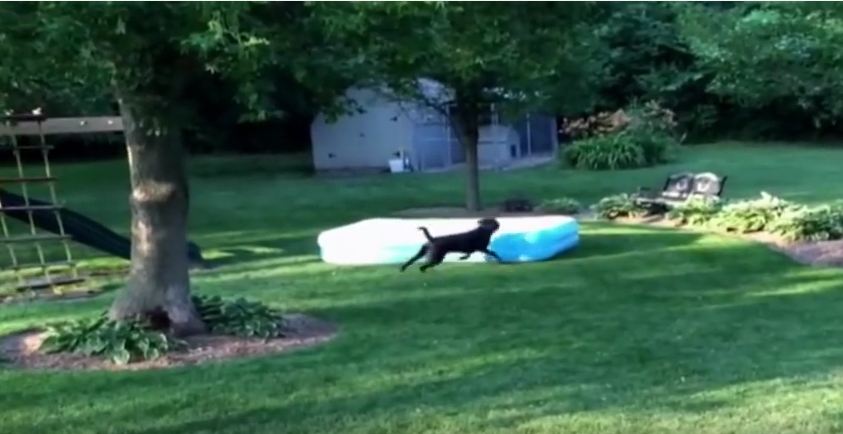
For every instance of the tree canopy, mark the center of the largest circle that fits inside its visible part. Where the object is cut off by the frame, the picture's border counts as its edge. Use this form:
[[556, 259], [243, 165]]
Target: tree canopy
[[255, 61], [777, 53]]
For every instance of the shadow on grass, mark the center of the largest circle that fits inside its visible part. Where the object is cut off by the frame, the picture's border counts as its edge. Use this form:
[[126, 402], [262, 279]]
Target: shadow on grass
[[264, 250]]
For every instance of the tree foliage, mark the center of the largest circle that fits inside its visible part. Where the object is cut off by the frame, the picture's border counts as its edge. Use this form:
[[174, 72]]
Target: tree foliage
[[717, 65], [35, 72], [647, 57], [768, 67], [772, 54]]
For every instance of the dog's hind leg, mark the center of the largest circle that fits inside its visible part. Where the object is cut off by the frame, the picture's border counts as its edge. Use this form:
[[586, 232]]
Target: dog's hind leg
[[415, 258], [465, 256], [435, 258]]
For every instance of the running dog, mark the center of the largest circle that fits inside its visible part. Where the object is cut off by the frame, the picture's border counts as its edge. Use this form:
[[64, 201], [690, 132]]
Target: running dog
[[475, 240]]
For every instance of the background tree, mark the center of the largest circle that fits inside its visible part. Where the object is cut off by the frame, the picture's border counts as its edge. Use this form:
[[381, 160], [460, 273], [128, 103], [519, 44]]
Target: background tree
[[505, 54], [647, 59], [781, 57]]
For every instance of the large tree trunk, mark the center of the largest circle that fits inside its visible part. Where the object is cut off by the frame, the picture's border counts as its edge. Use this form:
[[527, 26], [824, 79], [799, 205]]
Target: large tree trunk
[[472, 165], [159, 282], [466, 118]]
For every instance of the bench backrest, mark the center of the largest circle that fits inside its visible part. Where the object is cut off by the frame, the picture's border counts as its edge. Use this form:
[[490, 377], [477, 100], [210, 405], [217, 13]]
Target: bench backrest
[[678, 186], [681, 186], [708, 184]]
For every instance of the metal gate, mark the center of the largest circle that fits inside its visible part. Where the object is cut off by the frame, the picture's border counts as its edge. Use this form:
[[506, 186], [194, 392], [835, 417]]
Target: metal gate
[[435, 143], [537, 134]]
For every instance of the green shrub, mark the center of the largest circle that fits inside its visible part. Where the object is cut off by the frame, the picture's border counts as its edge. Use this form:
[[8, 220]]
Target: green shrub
[[643, 135], [628, 149], [562, 205], [121, 342], [752, 215], [819, 223], [605, 153], [695, 211], [619, 205], [657, 146], [239, 317]]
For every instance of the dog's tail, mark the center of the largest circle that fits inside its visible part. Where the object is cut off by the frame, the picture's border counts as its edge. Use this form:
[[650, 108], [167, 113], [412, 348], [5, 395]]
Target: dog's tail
[[426, 233]]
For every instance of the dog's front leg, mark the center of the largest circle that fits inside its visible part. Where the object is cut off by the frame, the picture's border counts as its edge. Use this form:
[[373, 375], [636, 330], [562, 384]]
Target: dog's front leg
[[465, 256], [492, 254]]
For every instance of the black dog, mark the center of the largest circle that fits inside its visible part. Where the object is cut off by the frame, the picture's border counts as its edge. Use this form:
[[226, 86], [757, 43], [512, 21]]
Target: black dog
[[475, 240]]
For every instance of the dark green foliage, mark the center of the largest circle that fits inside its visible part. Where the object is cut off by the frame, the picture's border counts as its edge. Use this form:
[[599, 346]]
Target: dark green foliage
[[648, 58], [695, 212], [121, 342], [819, 223], [619, 205], [239, 317], [778, 60], [755, 215], [758, 70], [750, 70], [562, 205]]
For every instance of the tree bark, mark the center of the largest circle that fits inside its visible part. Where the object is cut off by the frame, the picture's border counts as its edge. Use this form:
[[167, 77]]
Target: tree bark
[[472, 165], [159, 281], [467, 119]]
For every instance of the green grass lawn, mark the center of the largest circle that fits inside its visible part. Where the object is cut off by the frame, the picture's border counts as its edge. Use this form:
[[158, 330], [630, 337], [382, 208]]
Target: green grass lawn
[[637, 331]]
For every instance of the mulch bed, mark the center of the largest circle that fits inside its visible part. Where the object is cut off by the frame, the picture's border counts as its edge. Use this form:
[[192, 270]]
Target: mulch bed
[[20, 350], [820, 253]]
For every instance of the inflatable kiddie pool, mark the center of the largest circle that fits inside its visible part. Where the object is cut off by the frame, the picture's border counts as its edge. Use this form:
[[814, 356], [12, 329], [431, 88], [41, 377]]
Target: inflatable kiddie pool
[[394, 240]]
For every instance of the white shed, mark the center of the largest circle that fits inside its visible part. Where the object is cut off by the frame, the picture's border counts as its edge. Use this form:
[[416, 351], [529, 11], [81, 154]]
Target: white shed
[[385, 127]]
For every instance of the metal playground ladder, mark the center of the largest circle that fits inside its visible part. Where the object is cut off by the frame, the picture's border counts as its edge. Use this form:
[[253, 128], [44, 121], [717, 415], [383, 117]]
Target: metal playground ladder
[[52, 249]]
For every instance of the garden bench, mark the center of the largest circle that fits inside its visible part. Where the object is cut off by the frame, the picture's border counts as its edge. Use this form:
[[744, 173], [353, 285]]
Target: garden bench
[[679, 188]]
